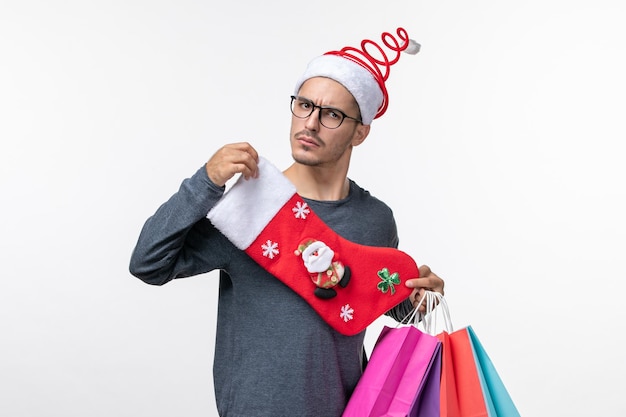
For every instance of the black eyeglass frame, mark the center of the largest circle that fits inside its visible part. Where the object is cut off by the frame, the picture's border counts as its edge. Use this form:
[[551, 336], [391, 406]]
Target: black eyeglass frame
[[319, 114]]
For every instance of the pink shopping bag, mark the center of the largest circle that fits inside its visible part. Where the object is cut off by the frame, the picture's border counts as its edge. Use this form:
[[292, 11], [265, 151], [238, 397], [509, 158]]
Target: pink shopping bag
[[402, 377]]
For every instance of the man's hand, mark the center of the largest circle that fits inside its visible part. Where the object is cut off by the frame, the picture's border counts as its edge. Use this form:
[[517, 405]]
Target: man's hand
[[427, 281], [232, 159]]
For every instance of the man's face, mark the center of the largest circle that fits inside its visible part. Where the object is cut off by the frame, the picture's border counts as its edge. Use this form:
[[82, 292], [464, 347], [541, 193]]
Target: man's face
[[315, 145]]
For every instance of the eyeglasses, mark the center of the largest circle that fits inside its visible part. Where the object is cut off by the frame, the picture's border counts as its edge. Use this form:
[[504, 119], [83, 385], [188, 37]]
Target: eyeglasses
[[329, 117]]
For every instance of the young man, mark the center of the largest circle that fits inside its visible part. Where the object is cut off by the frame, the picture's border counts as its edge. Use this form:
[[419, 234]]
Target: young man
[[274, 355]]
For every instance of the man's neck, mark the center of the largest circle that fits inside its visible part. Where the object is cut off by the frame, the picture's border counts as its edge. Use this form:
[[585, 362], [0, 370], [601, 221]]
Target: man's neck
[[317, 183]]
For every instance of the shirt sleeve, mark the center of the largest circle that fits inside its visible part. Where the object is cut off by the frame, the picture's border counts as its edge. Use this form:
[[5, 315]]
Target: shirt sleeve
[[178, 240]]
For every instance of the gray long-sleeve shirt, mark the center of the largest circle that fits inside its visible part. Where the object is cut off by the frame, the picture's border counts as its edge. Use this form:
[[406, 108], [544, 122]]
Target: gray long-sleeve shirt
[[274, 356]]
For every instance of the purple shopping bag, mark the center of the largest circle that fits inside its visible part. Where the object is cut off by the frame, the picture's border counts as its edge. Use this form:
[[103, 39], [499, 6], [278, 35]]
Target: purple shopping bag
[[401, 378]]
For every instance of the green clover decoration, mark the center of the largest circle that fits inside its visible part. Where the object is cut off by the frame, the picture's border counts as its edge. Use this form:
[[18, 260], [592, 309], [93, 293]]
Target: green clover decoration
[[388, 281]]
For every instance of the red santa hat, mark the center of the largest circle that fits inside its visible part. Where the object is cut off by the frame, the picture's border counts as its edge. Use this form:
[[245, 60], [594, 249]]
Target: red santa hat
[[361, 72]]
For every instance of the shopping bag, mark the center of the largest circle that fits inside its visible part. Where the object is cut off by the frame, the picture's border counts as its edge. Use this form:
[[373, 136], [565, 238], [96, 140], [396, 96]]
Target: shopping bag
[[501, 403], [401, 378], [470, 385], [449, 401]]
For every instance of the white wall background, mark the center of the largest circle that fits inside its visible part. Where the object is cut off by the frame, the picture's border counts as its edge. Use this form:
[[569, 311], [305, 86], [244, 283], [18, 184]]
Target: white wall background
[[502, 155]]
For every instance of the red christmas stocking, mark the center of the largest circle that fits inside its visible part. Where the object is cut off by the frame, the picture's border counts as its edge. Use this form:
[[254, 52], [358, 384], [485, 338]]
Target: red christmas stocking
[[347, 284]]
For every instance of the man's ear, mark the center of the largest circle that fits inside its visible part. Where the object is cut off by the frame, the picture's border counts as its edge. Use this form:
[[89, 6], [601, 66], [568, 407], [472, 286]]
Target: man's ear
[[360, 134]]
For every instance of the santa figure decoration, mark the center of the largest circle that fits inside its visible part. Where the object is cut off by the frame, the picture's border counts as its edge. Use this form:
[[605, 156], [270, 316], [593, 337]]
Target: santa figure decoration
[[325, 269]]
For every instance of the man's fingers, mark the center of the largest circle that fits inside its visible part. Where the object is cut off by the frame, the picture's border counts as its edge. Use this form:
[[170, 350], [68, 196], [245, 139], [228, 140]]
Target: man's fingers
[[232, 159]]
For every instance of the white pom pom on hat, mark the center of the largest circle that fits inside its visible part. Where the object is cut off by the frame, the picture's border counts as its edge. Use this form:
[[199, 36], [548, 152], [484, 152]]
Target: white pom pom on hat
[[361, 73]]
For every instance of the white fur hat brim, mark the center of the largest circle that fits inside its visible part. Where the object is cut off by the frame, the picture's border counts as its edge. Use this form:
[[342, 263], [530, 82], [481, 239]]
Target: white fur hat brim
[[356, 79]]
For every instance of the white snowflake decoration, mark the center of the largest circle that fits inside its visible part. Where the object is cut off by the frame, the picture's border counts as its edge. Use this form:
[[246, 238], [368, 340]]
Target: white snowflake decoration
[[301, 210], [347, 313], [270, 249]]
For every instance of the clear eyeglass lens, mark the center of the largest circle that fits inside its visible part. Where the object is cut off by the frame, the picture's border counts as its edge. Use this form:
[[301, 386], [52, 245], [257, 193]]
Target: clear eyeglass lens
[[331, 118], [301, 108]]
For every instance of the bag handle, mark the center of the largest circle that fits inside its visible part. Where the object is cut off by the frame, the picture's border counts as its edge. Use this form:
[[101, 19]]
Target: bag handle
[[435, 302]]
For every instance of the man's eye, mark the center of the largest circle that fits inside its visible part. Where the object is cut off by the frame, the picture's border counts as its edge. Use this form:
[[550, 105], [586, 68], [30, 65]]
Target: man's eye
[[305, 105], [333, 114]]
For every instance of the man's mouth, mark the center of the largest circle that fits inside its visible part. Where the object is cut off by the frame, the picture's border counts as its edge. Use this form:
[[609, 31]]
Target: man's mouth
[[307, 140]]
